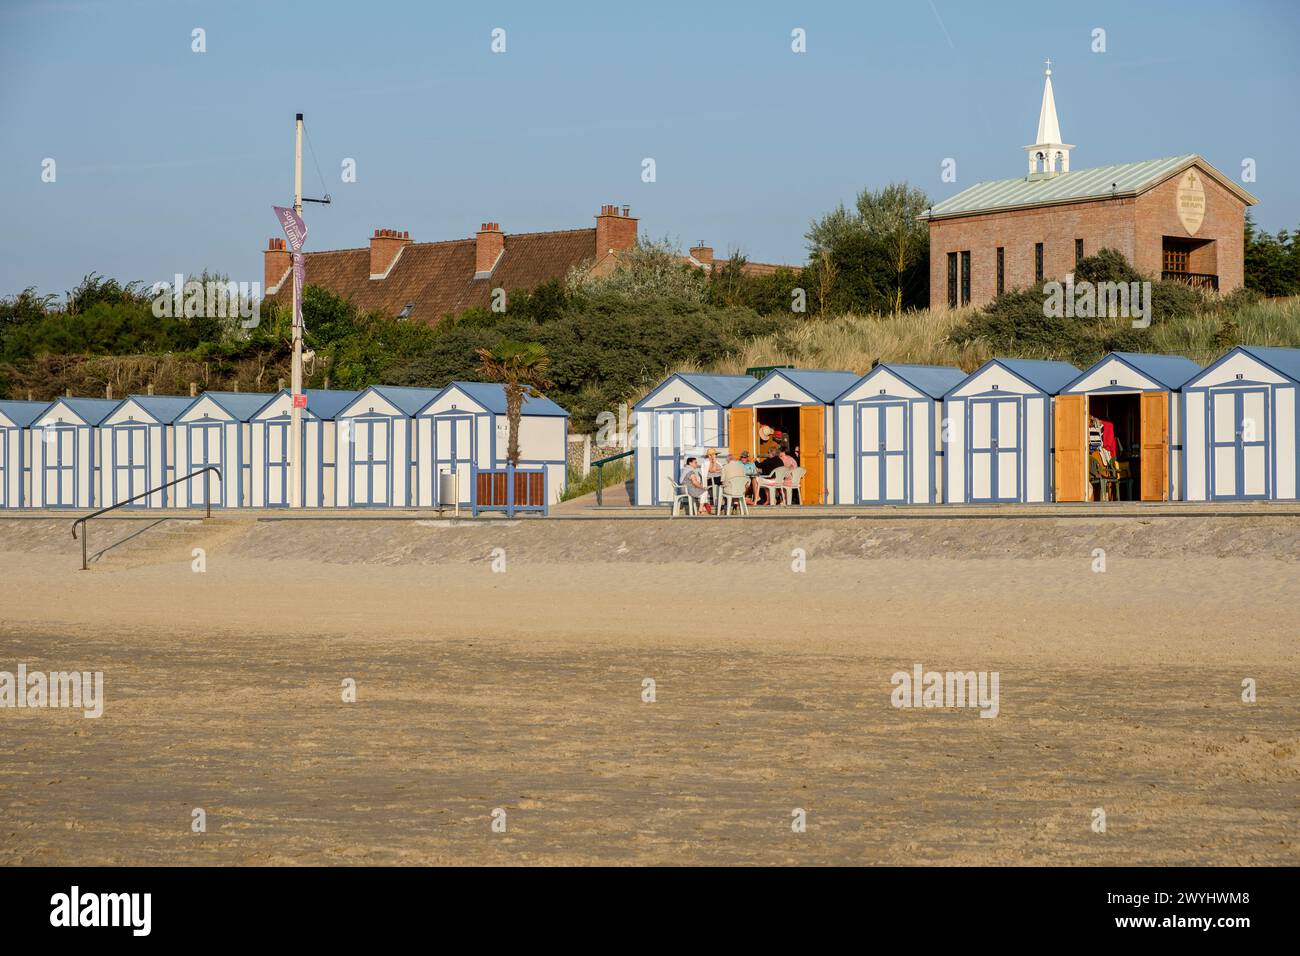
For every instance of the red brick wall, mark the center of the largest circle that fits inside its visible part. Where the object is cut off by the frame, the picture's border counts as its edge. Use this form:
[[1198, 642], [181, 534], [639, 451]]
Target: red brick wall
[[1135, 226], [1224, 223], [275, 263], [614, 230], [1100, 224], [488, 243]]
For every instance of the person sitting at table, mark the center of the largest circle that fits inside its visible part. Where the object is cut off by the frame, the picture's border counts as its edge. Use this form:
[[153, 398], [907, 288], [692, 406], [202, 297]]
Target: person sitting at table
[[711, 471], [694, 484], [766, 468], [750, 471]]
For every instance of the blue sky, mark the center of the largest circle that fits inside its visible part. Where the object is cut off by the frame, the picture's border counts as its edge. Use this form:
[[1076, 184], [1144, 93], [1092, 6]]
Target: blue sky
[[169, 160]]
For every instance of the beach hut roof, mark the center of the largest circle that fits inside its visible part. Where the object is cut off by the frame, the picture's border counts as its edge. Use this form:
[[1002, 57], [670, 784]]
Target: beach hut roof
[[92, 411], [935, 380], [1049, 377], [242, 406], [825, 386], [492, 396], [1284, 361], [1171, 371], [322, 403], [408, 400], [723, 389], [21, 413], [164, 408]]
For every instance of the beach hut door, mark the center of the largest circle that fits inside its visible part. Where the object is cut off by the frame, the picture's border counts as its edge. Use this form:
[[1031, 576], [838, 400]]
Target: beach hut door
[[370, 461], [453, 444], [60, 466], [1155, 446], [812, 453], [1072, 448], [994, 449], [277, 464], [740, 431], [130, 469], [882, 443], [677, 437], [4, 470], [205, 449], [1238, 443]]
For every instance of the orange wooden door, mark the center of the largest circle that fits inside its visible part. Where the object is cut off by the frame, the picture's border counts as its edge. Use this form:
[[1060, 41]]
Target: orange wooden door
[[812, 454], [1072, 448], [740, 431], [1155, 446]]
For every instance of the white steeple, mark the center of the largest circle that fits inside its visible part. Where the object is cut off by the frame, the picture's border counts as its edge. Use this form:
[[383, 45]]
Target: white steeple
[[1048, 155]]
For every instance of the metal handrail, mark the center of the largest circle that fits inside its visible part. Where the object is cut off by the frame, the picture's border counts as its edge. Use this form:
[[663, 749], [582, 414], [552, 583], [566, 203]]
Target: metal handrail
[[144, 494], [599, 464]]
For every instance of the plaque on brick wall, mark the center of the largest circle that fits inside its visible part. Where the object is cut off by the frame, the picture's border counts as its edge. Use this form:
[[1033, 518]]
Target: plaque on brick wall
[[1191, 201]]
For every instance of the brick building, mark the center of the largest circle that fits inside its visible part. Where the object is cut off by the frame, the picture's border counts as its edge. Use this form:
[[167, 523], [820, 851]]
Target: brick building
[[423, 281], [1178, 218]]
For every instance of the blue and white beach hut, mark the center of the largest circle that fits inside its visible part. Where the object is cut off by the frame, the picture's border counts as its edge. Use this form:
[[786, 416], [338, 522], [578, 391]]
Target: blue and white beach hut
[[1134, 397], [1243, 426], [999, 422], [269, 448], [682, 416], [890, 428], [214, 430], [465, 429], [800, 404], [138, 439], [66, 453], [375, 447], [16, 418]]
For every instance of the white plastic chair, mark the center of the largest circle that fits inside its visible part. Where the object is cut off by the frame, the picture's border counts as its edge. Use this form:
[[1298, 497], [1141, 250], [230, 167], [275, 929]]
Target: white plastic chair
[[680, 494], [733, 490], [774, 486], [796, 485]]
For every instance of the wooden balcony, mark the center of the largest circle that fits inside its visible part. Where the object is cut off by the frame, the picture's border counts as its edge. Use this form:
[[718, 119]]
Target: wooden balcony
[[1198, 280]]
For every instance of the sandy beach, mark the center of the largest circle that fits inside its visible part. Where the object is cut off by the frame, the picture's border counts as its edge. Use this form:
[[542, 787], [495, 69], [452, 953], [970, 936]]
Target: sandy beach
[[502, 666]]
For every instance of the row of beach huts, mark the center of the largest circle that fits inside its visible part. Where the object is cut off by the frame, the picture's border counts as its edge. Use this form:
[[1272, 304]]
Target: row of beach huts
[[1014, 430], [383, 446]]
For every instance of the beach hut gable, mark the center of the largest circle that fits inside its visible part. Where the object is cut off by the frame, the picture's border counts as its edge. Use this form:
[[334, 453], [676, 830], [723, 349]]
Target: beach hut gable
[[1135, 372], [20, 414], [16, 418], [1242, 420], [82, 412]]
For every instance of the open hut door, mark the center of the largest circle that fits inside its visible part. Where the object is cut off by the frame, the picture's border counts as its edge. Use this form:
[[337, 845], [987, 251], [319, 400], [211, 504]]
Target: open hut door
[[1072, 448], [740, 431], [812, 453], [1155, 446]]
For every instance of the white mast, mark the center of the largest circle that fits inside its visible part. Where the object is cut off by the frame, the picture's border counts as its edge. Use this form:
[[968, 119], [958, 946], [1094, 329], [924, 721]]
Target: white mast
[[295, 382]]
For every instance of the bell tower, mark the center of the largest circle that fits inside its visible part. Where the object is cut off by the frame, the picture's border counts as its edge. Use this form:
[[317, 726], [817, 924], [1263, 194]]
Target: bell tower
[[1048, 156]]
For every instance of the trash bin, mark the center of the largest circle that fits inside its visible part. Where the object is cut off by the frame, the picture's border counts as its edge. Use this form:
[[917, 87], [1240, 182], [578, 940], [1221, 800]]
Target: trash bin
[[448, 490]]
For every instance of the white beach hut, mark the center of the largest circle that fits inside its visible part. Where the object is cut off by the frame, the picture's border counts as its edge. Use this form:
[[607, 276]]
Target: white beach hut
[[16, 418], [465, 429], [214, 430], [138, 443], [1243, 426], [890, 428], [800, 404], [680, 417], [1134, 397], [375, 445], [269, 448], [999, 422], [65, 446]]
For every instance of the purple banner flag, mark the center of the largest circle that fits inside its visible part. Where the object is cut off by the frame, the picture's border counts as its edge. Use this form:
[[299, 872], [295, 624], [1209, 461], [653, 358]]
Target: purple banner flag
[[295, 230], [299, 281]]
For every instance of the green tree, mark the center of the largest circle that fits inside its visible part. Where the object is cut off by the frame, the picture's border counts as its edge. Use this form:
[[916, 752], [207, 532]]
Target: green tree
[[523, 368]]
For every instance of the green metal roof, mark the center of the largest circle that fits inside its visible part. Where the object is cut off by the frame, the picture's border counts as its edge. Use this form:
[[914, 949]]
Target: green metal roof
[[1101, 182]]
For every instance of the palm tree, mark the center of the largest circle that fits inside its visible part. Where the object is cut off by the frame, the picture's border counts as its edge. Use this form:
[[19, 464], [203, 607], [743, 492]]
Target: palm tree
[[522, 367]]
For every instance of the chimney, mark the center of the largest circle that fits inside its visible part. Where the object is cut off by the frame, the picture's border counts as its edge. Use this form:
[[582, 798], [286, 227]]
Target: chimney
[[149, 389], [489, 243], [194, 389], [108, 390], [615, 230], [385, 246], [276, 261], [702, 254]]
